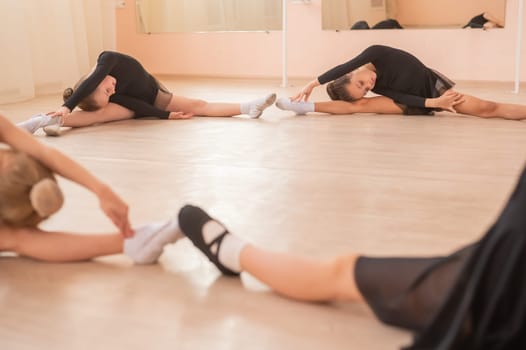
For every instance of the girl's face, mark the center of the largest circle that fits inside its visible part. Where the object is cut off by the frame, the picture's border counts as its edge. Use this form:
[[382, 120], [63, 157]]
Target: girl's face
[[362, 80], [106, 88]]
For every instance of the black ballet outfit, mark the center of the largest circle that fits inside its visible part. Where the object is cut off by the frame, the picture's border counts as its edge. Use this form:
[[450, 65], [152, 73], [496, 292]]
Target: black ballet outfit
[[400, 76], [473, 299], [136, 89], [476, 22], [389, 23]]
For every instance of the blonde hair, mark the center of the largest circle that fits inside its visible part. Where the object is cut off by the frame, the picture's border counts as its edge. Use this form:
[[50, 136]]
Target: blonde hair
[[87, 104], [29, 192]]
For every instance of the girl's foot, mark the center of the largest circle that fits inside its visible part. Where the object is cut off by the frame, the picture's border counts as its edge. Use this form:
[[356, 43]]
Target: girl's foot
[[36, 122], [221, 247], [300, 108], [255, 108], [146, 246]]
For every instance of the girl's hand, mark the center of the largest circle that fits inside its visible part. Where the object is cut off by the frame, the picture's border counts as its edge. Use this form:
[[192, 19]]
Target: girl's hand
[[116, 209], [61, 112], [448, 101], [180, 115], [304, 94]]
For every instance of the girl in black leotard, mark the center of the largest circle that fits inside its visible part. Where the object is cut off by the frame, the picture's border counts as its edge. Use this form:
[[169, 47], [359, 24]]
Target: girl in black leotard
[[408, 87], [472, 299], [120, 88]]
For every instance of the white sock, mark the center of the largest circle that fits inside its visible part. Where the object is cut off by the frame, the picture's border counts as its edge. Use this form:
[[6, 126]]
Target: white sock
[[35, 122], [147, 245], [231, 245], [301, 107], [256, 107]]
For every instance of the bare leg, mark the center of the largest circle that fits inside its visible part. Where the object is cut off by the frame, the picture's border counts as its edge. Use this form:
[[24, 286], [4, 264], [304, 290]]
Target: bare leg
[[112, 112], [203, 108], [378, 104], [488, 109], [295, 277], [302, 278], [59, 246]]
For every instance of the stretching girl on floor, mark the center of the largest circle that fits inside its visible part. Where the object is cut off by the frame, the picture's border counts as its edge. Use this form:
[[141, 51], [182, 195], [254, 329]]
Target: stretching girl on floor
[[405, 84], [30, 194], [472, 299], [120, 88]]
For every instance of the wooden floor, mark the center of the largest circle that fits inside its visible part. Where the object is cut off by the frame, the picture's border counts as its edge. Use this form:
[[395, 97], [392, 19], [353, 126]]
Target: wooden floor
[[316, 185]]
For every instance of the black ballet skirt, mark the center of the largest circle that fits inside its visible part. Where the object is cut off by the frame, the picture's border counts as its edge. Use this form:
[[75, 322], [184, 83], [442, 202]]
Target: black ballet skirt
[[473, 299]]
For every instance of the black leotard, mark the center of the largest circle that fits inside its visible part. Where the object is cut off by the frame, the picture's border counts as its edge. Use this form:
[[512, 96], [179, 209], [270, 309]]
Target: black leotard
[[400, 75], [136, 89], [472, 299]]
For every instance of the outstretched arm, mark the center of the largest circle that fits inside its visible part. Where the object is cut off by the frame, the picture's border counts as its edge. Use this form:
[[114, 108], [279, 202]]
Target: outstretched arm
[[111, 204], [58, 246], [447, 101], [105, 63], [367, 56], [111, 112]]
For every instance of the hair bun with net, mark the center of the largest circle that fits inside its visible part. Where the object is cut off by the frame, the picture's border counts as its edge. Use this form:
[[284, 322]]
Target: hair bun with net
[[46, 197], [67, 94]]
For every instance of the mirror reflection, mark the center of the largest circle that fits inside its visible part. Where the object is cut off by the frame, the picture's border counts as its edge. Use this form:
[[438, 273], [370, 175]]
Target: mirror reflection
[[159, 16], [406, 14]]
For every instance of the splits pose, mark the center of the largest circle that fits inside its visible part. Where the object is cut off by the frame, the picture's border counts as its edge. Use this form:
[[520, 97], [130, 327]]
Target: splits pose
[[29, 194], [119, 88], [405, 84], [472, 299]]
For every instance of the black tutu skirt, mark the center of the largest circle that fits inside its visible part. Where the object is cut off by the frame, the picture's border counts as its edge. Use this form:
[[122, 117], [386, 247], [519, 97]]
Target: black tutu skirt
[[473, 299], [437, 86]]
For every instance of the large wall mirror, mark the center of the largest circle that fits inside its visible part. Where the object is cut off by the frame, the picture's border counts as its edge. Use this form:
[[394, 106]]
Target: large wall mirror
[[384, 14], [160, 16]]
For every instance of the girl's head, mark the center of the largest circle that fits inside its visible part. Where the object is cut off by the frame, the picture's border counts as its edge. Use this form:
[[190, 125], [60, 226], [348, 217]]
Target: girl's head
[[352, 86], [99, 98], [28, 191]]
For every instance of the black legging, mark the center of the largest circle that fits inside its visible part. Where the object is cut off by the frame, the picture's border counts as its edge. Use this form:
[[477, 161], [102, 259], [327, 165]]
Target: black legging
[[407, 292], [472, 299]]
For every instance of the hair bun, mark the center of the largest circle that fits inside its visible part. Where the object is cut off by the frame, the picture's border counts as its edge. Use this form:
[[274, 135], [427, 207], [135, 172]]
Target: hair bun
[[46, 197], [67, 94]]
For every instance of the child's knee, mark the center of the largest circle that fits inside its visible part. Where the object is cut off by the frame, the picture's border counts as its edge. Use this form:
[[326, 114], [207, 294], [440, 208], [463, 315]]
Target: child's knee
[[197, 106], [489, 108]]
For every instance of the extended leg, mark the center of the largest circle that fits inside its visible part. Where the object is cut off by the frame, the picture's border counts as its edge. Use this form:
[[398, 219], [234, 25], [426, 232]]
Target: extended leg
[[378, 104], [51, 125], [217, 109], [112, 112], [303, 278], [295, 277], [488, 109]]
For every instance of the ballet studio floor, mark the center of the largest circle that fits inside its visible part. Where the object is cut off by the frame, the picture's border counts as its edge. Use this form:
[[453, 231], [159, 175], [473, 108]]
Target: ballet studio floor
[[316, 185]]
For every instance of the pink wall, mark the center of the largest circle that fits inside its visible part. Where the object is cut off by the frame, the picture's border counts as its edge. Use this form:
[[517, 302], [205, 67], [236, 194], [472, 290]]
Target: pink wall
[[432, 12], [461, 54]]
